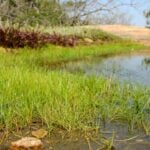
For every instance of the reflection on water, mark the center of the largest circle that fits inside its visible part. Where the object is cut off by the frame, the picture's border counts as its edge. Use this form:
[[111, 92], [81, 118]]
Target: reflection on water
[[133, 69], [147, 61]]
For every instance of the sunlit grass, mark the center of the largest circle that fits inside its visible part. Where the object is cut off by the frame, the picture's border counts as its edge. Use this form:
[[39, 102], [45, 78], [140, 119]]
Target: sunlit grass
[[57, 54], [29, 92], [68, 101], [83, 32]]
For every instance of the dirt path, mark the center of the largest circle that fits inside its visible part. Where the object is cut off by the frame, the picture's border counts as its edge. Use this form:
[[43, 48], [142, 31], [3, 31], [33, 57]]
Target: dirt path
[[139, 34]]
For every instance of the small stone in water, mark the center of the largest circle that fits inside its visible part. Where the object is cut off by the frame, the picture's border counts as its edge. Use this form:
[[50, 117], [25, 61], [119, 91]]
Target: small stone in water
[[26, 144]]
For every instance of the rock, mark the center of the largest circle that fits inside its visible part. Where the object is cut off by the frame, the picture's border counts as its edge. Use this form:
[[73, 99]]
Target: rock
[[88, 40], [99, 41], [41, 133], [26, 144]]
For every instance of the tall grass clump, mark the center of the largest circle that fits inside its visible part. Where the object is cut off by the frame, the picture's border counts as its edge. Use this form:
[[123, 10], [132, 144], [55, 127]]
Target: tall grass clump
[[71, 102], [83, 32]]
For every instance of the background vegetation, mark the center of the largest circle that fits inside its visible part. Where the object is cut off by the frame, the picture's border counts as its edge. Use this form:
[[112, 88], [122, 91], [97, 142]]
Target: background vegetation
[[63, 12]]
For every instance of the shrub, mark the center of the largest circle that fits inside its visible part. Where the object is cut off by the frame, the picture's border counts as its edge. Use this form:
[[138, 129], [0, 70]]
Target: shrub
[[58, 39], [15, 38]]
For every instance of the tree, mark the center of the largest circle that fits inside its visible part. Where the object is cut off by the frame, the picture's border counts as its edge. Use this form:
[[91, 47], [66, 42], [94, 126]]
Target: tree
[[32, 12], [57, 12], [117, 17], [147, 15], [80, 10]]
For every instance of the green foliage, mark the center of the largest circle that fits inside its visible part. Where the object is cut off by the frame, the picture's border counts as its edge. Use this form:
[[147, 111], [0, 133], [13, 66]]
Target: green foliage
[[59, 99], [33, 13], [71, 3], [83, 32], [29, 91]]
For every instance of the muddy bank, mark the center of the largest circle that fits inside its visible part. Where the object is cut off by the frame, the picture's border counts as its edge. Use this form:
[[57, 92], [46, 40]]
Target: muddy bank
[[116, 136]]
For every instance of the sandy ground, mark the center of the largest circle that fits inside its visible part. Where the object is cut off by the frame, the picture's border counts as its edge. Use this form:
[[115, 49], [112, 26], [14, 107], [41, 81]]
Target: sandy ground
[[139, 34]]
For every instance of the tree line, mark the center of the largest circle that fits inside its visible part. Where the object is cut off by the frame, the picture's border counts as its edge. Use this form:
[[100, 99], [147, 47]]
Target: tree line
[[63, 12], [32, 12]]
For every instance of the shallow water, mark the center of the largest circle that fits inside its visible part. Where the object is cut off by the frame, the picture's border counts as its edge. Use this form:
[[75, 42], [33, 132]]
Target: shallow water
[[61, 140], [131, 69], [124, 139]]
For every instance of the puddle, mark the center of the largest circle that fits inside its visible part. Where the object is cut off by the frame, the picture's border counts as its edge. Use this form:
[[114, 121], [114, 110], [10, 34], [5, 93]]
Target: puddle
[[130, 69]]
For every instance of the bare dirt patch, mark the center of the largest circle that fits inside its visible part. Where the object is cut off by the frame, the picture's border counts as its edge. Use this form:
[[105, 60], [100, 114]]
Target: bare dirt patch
[[139, 34]]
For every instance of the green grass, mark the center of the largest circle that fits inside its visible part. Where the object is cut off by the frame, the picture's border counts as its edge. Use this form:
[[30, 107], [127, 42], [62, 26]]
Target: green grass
[[83, 32], [68, 101], [79, 31], [30, 92], [57, 54]]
